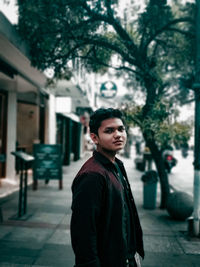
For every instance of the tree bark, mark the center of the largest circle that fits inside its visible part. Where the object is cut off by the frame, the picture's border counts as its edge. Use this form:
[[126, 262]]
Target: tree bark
[[157, 157]]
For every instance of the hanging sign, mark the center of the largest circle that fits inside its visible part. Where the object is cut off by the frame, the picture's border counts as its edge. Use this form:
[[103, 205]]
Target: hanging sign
[[108, 89]]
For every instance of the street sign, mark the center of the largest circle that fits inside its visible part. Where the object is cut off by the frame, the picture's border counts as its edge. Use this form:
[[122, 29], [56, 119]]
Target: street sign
[[108, 89]]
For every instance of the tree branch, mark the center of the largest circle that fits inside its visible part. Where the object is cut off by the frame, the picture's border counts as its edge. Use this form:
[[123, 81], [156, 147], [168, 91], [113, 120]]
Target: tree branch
[[125, 37], [189, 34], [100, 62], [113, 47], [166, 27]]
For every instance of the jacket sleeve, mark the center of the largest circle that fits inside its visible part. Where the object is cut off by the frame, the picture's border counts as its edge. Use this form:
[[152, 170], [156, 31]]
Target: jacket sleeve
[[87, 190]]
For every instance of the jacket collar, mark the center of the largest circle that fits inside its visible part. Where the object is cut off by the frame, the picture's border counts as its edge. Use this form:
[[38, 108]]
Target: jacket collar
[[105, 161]]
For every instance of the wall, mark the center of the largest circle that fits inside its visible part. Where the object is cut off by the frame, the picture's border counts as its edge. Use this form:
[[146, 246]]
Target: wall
[[27, 125], [11, 135]]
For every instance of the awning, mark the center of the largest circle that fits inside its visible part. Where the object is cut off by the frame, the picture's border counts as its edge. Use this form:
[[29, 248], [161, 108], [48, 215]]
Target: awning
[[72, 116]]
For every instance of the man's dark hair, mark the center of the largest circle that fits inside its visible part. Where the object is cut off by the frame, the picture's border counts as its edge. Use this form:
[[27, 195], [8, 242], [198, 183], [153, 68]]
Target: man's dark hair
[[103, 114]]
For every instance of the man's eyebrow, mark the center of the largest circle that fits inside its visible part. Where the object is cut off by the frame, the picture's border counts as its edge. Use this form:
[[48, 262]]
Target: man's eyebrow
[[110, 128]]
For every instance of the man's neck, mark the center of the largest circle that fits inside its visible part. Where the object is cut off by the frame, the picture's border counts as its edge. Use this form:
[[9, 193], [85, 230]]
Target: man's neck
[[108, 154]]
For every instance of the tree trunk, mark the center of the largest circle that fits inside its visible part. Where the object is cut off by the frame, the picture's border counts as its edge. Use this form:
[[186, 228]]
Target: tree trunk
[[157, 157], [151, 87], [127, 148]]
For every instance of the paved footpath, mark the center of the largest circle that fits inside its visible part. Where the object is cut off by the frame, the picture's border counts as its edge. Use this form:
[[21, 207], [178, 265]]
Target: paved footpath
[[43, 237]]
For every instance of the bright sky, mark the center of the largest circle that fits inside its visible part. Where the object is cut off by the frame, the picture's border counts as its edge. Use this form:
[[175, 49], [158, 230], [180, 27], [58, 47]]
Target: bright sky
[[9, 9]]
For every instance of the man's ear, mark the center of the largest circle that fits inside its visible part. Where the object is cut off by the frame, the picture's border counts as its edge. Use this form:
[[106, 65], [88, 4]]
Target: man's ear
[[94, 138]]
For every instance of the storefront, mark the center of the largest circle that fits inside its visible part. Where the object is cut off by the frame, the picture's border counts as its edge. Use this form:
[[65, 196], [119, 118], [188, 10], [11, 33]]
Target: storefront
[[23, 102], [69, 135]]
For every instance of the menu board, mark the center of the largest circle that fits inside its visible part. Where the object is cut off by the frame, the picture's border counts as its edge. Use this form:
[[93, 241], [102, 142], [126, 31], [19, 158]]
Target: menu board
[[48, 162]]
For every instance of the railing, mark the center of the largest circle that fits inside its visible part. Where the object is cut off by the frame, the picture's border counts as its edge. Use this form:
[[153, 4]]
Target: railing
[[25, 161]]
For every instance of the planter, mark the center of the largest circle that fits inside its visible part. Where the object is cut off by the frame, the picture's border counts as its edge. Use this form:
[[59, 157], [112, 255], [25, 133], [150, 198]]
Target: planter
[[149, 179], [179, 205]]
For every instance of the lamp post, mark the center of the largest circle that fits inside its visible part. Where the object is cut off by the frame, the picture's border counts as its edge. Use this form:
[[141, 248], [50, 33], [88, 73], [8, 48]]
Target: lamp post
[[196, 86]]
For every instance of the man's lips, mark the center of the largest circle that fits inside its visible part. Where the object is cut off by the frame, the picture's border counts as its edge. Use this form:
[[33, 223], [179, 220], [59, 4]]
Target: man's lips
[[118, 142]]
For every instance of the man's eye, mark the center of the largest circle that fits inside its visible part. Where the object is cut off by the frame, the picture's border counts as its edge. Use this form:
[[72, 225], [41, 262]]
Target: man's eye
[[108, 130], [121, 129]]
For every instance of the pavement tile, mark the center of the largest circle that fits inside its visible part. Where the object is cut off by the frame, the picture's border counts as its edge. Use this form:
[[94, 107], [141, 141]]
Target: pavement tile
[[177, 226], [56, 255], [20, 249], [24, 261], [6, 264], [170, 260], [165, 244], [53, 218], [153, 224], [29, 234], [60, 237], [21, 245], [190, 247], [66, 220], [5, 230]]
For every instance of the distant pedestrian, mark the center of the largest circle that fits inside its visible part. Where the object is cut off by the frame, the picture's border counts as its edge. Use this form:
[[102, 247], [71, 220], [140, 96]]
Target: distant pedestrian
[[105, 227], [147, 158], [138, 147]]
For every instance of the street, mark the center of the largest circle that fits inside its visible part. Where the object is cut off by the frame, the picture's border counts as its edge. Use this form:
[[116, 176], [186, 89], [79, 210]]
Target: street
[[182, 175]]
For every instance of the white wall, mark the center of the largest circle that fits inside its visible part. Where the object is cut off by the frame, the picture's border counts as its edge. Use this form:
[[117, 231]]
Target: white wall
[[52, 120], [11, 134]]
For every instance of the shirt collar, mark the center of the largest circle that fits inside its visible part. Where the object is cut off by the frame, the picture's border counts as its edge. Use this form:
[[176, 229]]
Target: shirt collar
[[105, 161]]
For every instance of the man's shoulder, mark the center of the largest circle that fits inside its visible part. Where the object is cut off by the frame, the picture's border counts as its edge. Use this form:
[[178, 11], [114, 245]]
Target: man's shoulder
[[92, 165], [91, 171]]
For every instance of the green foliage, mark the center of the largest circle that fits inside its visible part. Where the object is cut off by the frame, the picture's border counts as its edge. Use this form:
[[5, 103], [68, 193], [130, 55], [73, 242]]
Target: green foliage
[[151, 48], [156, 15], [59, 31], [132, 114], [159, 125], [154, 52], [177, 133], [66, 75], [96, 59], [183, 132]]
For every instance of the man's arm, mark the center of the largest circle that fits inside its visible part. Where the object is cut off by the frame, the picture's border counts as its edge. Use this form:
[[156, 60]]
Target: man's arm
[[87, 192]]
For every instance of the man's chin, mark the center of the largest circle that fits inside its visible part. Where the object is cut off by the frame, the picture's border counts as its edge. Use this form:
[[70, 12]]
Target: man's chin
[[119, 150]]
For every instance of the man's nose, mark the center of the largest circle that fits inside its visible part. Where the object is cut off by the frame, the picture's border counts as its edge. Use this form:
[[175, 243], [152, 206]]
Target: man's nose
[[117, 133]]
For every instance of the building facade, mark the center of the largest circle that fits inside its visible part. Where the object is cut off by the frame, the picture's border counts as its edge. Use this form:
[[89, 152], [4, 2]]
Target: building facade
[[23, 101]]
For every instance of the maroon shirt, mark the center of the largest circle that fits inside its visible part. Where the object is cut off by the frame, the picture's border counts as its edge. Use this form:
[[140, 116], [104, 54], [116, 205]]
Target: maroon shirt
[[97, 235]]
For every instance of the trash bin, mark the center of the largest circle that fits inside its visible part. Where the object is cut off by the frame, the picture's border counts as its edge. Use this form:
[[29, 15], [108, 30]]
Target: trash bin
[[139, 163], [150, 179]]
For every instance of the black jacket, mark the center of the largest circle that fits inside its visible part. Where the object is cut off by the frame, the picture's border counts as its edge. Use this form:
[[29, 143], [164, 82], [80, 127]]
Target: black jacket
[[97, 208]]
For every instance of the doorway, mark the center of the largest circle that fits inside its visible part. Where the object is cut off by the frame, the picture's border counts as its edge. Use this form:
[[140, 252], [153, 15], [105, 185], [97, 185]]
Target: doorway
[[3, 132]]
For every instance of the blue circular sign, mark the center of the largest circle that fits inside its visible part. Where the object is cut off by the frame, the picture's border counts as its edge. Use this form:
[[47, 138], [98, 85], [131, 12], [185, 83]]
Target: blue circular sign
[[108, 89]]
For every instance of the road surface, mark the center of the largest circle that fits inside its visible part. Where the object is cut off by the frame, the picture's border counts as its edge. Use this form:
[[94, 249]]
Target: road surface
[[182, 175]]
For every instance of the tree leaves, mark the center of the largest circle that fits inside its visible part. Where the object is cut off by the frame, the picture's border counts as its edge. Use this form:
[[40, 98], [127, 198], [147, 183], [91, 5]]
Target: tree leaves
[[154, 49]]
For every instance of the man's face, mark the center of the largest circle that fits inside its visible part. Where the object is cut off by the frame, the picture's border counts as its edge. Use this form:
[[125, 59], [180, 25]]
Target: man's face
[[111, 135]]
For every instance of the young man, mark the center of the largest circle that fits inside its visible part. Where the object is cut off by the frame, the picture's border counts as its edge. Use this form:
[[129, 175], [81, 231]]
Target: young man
[[105, 228]]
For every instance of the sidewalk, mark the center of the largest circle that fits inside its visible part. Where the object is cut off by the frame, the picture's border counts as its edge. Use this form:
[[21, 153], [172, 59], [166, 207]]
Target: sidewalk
[[43, 238]]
